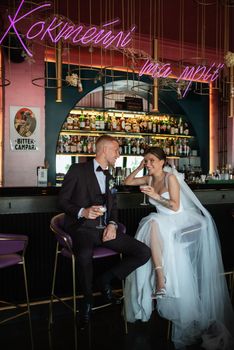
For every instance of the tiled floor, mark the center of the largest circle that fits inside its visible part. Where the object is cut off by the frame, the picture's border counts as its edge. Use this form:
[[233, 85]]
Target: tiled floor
[[106, 332]]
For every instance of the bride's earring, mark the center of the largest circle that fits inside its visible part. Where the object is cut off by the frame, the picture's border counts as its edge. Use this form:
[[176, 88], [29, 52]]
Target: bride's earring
[[162, 291]]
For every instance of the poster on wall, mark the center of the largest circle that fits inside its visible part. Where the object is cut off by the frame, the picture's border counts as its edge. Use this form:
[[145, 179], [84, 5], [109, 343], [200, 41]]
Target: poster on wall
[[24, 128]]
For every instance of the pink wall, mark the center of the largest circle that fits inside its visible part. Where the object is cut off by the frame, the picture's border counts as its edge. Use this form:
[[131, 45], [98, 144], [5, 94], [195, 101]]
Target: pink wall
[[19, 167]]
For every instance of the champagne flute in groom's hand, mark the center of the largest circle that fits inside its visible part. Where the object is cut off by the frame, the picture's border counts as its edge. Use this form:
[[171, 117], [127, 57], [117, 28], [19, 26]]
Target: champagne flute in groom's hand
[[100, 202], [101, 225]]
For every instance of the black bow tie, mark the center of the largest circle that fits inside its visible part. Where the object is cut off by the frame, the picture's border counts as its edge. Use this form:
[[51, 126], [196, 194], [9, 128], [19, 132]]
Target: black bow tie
[[105, 172]]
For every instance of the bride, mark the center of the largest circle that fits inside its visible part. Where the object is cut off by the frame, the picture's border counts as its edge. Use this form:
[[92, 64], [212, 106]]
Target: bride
[[185, 274]]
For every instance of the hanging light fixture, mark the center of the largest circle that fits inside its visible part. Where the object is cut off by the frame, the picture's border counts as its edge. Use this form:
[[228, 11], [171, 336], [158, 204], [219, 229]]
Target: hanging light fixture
[[155, 81], [229, 61]]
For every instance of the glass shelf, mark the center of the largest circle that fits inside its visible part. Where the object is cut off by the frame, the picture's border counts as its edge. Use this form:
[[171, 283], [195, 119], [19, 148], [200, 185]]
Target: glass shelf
[[122, 134]]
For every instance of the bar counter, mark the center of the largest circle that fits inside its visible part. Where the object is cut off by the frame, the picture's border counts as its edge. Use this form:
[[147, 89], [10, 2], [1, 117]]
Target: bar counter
[[28, 210]]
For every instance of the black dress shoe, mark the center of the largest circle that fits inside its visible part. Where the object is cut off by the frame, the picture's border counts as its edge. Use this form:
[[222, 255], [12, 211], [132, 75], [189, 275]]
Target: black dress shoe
[[85, 313], [109, 296]]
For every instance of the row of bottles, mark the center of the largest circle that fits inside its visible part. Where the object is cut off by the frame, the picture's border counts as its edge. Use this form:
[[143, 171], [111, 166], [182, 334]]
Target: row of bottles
[[118, 122], [193, 174], [127, 146]]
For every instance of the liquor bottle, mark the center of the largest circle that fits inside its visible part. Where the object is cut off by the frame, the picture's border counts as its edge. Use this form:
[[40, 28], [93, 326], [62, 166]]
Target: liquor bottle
[[157, 143], [142, 147], [163, 127], [113, 123], [186, 148], [129, 145], [122, 123], [73, 144], [181, 127], [70, 122], [84, 145], [87, 122], [167, 147], [93, 123], [168, 124], [172, 147], [108, 123], [134, 149], [97, 122], [144, 125], [94, 145], [138, 150], [82, 121], [67, 145], [125, 146], [79, 146], [101, 122], [176, 129], [186, 129], [154, 126], [172, 130], [89, 145], [150, 125], [75, 122], [60, 144], [176, 147], [118, 125], [180, 148]]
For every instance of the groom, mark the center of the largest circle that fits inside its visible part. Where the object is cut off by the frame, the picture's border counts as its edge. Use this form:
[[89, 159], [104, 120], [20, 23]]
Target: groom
[[86, 188]]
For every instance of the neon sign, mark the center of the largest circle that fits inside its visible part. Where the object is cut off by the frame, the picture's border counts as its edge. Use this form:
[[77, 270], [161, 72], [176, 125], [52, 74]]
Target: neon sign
[[63, 29], [190, 73]]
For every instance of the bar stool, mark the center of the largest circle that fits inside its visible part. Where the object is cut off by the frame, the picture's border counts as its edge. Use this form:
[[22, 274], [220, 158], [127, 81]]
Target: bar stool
[[12, 251], [64, 248]]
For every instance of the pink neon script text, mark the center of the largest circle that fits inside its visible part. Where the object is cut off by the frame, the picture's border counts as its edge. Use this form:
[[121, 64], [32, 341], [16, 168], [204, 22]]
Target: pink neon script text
[[58, 29]]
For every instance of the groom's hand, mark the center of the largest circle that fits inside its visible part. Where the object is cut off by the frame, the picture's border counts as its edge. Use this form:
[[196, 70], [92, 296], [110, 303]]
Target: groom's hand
[[109, 233], [92, 212]]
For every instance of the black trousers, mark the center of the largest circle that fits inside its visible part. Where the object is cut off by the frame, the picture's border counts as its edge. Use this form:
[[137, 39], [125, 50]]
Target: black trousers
[[135, 254]]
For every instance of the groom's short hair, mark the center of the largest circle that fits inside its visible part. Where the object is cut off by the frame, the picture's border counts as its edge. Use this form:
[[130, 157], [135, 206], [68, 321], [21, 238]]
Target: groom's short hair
[[101, 140]]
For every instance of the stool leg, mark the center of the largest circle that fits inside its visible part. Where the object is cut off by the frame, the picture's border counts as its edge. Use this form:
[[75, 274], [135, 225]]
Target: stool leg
[[74, 285], [28, 304], [53, 286], [124, 310]]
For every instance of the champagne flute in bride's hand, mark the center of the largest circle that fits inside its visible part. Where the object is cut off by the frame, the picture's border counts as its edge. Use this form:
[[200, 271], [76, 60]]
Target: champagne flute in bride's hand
[[145, 202], [145, 198]]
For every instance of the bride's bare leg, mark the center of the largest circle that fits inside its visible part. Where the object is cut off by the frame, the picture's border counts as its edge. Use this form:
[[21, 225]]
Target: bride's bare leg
[[156, 251]]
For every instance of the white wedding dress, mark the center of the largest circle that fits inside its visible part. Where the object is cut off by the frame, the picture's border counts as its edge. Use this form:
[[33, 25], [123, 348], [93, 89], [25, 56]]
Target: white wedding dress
[[197, 300]]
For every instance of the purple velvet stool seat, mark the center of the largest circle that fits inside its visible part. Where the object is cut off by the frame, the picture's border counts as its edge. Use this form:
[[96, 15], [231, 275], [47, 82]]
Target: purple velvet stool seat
[[64, 248], [12, 251]]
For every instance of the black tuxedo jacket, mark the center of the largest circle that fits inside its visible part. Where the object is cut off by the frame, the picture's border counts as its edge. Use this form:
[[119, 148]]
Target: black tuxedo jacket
[[79, 190]]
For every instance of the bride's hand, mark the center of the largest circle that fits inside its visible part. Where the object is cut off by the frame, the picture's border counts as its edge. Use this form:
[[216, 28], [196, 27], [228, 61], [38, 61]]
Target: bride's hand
[[149, 190], [141, 165]]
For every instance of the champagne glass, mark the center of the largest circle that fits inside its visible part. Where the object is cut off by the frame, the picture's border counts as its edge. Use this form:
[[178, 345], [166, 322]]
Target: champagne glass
[[100, 201], [101, 225], [145, 200]]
